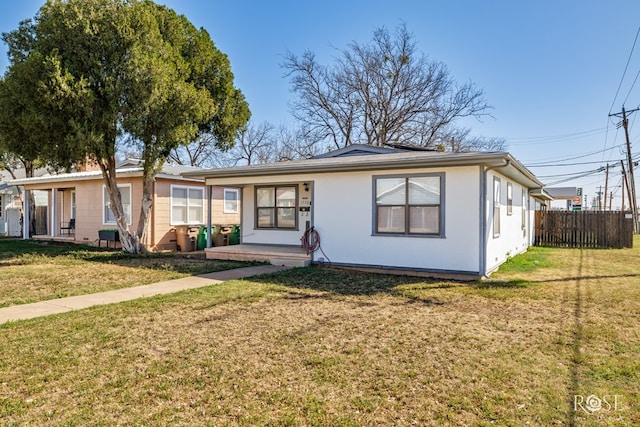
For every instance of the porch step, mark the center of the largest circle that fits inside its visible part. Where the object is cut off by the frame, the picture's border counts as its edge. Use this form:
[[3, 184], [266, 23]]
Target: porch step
[[276, 255], [290, 262]]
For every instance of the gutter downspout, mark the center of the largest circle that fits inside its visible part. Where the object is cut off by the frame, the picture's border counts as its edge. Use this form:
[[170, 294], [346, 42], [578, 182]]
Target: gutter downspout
[[484, 229]]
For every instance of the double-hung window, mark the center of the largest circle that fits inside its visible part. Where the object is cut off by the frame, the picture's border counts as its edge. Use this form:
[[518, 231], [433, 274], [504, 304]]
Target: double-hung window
[[73, 204], [107, 214], [409, 205], [276, 207], [509, 198], [524, 211], [231, 196], [496, 206], [187, 205]]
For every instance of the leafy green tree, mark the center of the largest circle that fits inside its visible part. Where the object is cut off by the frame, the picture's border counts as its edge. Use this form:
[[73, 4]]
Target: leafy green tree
[[114, 67], [186, 77], [25, 130]]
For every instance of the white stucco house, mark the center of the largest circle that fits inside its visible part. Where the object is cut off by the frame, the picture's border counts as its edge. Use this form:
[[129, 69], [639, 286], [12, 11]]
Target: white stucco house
[[10, 205], [389, 208]]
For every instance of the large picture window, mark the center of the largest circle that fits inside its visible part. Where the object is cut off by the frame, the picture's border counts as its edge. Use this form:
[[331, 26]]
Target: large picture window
[[187, 205], [276, 207], [409, 205], [125, 194]]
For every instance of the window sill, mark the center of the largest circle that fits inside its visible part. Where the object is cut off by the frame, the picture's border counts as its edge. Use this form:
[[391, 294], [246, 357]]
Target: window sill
[[413, 236], [275, 229]]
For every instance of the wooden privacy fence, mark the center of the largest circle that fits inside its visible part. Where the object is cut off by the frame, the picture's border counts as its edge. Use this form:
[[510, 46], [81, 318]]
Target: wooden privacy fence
[[584, 229]]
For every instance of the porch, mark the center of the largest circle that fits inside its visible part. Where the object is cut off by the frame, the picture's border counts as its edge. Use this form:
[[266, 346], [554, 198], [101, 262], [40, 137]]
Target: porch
[[53, 211], [287, 255]]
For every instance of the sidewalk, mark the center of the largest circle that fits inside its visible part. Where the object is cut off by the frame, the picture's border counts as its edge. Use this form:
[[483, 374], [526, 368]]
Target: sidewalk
[[63, 305]]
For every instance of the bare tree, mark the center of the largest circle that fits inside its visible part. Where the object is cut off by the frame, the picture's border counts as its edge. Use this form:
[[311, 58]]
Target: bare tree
[[255, 144], [200, 153], [460, 140], [379, 93], [297, 143]]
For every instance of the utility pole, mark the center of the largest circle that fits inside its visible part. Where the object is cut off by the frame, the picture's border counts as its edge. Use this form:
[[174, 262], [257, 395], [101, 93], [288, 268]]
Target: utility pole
[[625, 184], [623, 187], [606, 187], [611, 200], [599, 193], [632, 182]]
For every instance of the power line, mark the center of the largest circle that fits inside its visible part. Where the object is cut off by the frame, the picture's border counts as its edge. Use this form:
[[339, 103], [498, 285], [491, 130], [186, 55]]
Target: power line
[[582, 173], [579, 156], [625, 71], [563, 164], [576, 177], [532, 140], [631, 88]]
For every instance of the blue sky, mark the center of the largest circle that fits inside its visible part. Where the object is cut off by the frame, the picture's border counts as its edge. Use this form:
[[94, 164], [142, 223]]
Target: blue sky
[[550, 69]]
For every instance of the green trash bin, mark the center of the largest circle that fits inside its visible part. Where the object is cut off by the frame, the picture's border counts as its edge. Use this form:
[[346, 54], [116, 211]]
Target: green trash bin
[[201, 241], [234, 236]]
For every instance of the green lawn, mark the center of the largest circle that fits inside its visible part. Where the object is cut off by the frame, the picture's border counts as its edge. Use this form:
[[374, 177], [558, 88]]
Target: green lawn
[[318, 346], [33, 271]]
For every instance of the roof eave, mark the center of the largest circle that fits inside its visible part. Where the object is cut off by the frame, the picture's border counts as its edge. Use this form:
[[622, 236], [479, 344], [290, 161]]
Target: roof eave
[[541, 194], [286, 168]]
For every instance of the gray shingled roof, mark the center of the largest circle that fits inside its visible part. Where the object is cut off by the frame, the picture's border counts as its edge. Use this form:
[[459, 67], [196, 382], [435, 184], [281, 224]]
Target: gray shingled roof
[[394, 160]]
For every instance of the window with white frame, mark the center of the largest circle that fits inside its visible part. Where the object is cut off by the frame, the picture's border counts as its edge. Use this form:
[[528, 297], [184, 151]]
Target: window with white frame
[[509, 198], [187, 205], [125, 194], [524, 211], [276, 207], [409, 205], [230, 203], [1, 205], [73, 204], [496, 206]]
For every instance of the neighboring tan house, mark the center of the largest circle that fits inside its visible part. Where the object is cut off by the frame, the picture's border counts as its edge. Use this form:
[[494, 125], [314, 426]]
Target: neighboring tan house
[[75, 206], [389, 208]]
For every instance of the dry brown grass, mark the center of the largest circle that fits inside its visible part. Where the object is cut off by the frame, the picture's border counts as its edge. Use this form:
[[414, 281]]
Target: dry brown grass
[[33, 271], [325, 347]]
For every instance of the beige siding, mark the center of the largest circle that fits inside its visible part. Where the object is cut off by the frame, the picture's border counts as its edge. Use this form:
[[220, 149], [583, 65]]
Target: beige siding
[[90, 205], [164, 233], [218, 216]]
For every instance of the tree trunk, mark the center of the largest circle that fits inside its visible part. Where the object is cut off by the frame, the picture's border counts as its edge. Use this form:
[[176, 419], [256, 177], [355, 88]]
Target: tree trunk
[[29, 169], [32, 214], [130, 242], [145, 211]]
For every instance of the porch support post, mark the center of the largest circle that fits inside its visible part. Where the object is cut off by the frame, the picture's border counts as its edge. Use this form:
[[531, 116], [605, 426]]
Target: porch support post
[[25, 214], [209, 221], [54, 212]]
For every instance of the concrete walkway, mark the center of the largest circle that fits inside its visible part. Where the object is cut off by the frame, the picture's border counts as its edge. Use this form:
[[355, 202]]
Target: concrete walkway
[[63, 305]]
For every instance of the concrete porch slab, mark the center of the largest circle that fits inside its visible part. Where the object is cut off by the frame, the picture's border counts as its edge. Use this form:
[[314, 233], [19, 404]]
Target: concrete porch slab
[[293, 256]]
